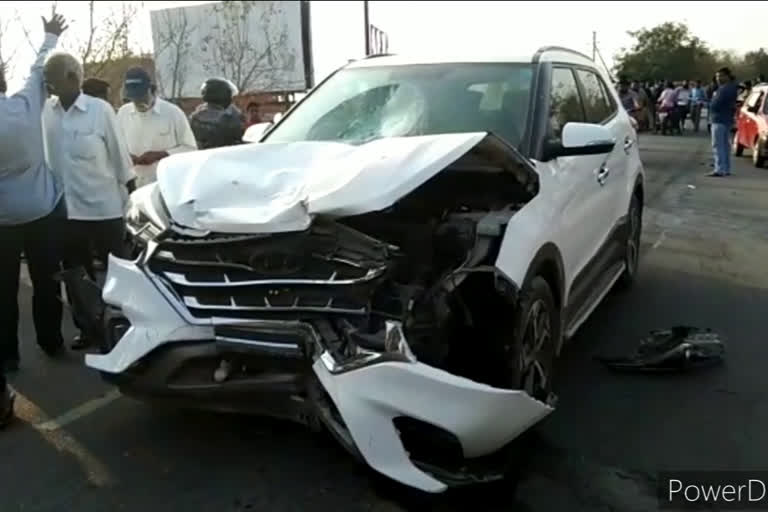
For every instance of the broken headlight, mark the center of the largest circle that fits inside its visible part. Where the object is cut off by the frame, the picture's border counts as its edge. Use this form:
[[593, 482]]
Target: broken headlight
[[139, 225]]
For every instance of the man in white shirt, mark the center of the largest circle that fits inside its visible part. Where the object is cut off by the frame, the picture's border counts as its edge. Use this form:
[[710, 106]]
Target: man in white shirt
[[31, 211], [91, 162], [152, 127]]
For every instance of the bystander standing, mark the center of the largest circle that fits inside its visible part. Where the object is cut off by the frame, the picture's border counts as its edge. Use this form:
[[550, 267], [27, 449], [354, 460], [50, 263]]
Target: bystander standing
[[31, 208], [723, 108], [91, 161], [217, 122], [152, 127]]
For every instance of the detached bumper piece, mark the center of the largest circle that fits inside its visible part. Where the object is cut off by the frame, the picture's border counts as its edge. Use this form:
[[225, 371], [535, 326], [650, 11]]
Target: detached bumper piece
[[278, 358], [680, 348]]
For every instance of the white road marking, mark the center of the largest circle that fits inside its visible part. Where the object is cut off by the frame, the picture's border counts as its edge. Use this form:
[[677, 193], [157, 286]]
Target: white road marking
[[662, 237], [96, 472], [78, 412]]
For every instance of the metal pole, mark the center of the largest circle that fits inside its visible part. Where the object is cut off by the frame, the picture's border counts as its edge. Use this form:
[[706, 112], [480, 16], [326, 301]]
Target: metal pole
[[367, 28], [594, 45]]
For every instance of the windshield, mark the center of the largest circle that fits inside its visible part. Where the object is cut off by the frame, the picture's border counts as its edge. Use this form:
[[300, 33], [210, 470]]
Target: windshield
[[357, 105]]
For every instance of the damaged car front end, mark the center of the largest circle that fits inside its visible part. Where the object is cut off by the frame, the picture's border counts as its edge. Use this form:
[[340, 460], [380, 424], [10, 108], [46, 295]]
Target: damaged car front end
[[367, 303]]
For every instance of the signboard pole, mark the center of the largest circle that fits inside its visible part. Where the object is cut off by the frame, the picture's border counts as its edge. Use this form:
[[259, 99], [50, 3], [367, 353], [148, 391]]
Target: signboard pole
[[367, 28]]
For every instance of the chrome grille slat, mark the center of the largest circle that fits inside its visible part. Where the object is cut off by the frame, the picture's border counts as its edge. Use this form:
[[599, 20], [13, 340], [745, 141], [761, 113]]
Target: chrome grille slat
[[193, 303], [181, 279], [306, 276]]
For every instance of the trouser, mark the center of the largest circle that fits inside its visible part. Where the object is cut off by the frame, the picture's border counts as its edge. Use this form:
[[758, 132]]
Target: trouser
[[682, 113], [696, 116], [83, 239], [721, 147], [86, 237], [40, 242]]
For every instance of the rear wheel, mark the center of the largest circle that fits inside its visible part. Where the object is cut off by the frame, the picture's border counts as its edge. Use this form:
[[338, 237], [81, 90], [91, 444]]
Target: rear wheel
[[736, 148], [632, 243], [758, 158]]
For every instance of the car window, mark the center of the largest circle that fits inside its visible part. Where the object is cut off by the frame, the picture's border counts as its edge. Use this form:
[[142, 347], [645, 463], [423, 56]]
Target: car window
[[565, 102], [596, 104], [357, 105], [754, 99]]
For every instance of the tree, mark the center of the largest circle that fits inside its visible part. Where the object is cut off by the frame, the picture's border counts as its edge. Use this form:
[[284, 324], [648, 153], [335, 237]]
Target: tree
[[668, 51], [6, 52], [252, 58], [107, 37], [173, 36], [756, 63]]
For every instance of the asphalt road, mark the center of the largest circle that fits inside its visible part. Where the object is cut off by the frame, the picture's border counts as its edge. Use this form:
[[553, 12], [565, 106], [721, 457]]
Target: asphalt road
[[704, 254]]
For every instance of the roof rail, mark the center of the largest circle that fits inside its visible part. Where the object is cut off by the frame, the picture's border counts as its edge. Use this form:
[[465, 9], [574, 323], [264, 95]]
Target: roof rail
[[376, 55], [559, 49]]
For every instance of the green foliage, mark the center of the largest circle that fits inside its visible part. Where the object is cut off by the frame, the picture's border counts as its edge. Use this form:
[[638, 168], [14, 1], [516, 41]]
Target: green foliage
[[670, 51]]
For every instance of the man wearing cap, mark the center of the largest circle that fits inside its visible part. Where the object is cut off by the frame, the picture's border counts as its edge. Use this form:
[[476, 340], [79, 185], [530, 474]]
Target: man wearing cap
[[152, 127]]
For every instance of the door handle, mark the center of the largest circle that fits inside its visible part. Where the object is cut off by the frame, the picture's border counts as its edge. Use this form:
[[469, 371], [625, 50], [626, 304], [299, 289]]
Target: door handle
[[602, 175], [628, 143]]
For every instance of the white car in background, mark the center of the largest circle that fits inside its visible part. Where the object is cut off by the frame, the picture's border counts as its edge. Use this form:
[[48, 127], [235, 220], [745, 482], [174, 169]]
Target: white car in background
[[399, 259]]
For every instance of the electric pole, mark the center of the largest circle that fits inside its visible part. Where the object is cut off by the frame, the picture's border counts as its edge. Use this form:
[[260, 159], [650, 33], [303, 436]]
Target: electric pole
[[367, 28]]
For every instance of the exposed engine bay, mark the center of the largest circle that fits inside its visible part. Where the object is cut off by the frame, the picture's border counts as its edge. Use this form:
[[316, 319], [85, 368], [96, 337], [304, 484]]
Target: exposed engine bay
[[399, 311], [426, 263]]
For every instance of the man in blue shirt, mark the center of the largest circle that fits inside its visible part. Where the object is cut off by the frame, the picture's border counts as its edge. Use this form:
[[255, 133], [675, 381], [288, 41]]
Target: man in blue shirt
[[723, 108], [31, 206]]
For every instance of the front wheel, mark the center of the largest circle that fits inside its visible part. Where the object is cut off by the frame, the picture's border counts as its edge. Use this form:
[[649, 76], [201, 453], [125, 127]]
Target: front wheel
[[536, 333], [632, 243]]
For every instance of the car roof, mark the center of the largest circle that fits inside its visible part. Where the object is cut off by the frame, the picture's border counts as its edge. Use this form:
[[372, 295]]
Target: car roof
[[545, 54]]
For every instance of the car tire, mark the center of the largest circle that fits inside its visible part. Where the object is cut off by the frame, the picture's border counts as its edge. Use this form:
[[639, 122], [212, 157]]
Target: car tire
[[736, 148], [536, 333], [758, 158], [632, 243]]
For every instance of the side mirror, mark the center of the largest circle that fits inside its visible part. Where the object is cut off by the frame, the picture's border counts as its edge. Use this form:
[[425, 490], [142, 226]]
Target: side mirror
[[581, 139], [255, 132]]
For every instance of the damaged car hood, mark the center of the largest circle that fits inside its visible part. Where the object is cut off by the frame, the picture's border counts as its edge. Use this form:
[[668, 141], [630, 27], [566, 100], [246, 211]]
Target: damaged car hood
[[269, 188]]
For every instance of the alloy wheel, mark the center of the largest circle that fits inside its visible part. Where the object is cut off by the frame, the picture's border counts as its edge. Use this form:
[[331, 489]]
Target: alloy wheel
[[536, 354], [633, 240]]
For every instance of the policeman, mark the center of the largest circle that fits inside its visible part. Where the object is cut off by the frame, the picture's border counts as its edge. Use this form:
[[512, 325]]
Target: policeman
[[217, 122]]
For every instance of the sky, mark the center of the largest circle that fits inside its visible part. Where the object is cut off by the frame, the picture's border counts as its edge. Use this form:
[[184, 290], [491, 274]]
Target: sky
[[455, 26]]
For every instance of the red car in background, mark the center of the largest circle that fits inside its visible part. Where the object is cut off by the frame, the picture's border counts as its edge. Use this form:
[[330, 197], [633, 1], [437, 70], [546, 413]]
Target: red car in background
[[752, 125]]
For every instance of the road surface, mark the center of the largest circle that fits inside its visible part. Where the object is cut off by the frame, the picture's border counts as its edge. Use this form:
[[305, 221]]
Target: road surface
[[80, 446]]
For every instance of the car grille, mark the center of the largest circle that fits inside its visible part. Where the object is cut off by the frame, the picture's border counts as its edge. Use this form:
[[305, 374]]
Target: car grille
[[276, 275]]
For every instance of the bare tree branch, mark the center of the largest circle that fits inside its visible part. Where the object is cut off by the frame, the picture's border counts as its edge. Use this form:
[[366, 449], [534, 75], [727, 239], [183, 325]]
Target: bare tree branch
[[25, 31], [173, 36], [234, 51], [106, 35], [6, 53]]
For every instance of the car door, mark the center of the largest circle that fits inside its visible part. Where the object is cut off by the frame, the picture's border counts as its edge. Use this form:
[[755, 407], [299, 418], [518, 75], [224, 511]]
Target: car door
[[575, 190], [602, 108], [748, 122]]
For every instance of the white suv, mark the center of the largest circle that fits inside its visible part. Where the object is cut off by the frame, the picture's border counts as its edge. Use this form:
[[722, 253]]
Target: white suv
[[398, 260]]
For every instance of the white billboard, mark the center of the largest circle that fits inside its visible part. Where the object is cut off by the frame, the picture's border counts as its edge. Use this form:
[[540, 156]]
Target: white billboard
[[259, 46]]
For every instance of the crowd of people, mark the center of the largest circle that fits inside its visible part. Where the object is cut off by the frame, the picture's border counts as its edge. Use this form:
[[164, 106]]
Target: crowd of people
[[68, 162], [664, 106]]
